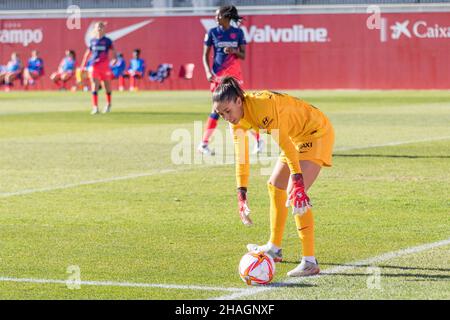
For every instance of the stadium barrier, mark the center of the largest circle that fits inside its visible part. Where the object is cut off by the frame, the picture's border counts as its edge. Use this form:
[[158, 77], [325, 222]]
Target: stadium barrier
[[331, 47]]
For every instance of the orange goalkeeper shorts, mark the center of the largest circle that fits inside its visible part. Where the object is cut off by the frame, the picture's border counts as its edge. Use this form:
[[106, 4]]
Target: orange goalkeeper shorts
[[318, 150]]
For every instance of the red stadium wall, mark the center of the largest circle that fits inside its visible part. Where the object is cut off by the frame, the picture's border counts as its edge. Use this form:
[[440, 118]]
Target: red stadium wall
[[308, 51]]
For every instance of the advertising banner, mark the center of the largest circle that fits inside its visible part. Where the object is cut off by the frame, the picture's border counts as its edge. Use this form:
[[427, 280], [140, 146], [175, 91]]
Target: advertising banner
[[289, 51]]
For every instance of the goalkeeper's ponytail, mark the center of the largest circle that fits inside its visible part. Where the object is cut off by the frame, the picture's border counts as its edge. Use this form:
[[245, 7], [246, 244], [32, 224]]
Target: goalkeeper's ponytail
[[228, 90]]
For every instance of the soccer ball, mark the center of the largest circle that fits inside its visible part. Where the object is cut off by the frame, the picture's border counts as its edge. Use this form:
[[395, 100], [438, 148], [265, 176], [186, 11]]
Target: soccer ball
[[256, 268]]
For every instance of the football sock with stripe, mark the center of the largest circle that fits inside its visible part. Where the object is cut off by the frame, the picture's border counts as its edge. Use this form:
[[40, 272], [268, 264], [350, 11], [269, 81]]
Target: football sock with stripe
[[211, 124], [256, 135], [305, 229], [94, 99]]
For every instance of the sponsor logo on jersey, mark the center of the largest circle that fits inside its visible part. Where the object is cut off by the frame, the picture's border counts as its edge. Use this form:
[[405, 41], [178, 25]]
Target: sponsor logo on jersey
[[224, 44], [99, 48], [305, 145], [266, 122]]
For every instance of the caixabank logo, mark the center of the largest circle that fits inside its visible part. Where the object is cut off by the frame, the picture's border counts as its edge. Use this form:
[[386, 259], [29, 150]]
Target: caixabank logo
[[408, 29]]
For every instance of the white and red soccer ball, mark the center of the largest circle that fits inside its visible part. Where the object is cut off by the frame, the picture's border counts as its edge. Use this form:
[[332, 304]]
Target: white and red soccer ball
[[256, 268]]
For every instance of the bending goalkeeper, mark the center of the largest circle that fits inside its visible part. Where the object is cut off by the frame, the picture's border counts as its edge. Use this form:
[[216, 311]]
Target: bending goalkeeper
[[305, 136]]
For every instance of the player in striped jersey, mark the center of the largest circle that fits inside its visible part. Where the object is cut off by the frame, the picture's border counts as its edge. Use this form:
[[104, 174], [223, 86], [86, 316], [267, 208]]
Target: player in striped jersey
[[228, 43], [100, 71]]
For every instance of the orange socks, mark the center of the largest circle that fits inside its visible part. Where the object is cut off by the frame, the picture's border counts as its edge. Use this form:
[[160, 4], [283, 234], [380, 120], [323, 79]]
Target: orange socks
[[278, 214], [305, 229]]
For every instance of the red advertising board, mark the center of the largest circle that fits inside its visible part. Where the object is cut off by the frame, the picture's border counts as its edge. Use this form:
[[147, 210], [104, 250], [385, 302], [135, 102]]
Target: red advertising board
[[293, 51]]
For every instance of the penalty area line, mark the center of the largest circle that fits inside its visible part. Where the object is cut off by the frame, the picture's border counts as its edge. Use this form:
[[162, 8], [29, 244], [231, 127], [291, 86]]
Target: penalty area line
[[120, 284], [336, 270]]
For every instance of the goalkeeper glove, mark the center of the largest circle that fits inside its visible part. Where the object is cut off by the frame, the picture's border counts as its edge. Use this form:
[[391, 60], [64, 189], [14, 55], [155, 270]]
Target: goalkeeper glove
[[244, 210], [297, 195]]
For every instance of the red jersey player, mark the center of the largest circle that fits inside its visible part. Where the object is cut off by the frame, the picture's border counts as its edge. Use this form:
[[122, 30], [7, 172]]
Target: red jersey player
[[100, 71]]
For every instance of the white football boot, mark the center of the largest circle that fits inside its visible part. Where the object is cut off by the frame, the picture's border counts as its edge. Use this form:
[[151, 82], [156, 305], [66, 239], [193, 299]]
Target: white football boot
[[95, 110], [204, 149], [273, 251], [259, 147], [305, 269], [107, 108]]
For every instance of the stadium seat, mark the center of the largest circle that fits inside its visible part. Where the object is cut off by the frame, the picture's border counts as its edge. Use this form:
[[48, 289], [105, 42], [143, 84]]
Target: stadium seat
[[187, 71]]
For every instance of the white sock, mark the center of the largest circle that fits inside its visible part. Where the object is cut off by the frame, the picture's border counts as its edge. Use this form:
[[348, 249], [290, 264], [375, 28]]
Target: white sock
[[273, 247]]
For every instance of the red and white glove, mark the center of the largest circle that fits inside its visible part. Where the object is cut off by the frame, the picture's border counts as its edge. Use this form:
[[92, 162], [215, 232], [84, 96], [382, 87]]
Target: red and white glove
[[298, 198], [244, 210]]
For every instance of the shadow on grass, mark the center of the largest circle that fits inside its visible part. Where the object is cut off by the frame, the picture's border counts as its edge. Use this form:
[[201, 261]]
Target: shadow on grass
[[385, 266], [290, 285], [439, 274], [418, 276]]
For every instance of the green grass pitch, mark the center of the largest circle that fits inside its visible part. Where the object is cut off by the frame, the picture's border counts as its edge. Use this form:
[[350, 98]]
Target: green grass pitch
[[103, 193]]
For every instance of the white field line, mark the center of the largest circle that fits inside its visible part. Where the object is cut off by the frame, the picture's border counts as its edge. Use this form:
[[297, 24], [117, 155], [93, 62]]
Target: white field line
[[238, 292], [90, 182], [84, 183], [339, 269], [119, 284], [147, 174]]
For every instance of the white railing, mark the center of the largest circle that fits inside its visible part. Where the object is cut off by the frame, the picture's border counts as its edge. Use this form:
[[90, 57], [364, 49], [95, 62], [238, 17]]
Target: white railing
[[253, 10]]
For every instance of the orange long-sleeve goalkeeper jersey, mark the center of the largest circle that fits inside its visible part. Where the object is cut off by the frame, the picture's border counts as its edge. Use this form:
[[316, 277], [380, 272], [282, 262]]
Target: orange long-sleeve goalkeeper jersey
[[289, 120]]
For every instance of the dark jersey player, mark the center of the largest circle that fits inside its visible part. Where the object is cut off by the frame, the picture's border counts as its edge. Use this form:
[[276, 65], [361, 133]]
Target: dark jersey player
[[228, 43]]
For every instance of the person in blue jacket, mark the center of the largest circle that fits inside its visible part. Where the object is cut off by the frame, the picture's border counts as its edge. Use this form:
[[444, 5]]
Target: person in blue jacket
[[136, 69], [118, 67], [34, 69], [12, 71]]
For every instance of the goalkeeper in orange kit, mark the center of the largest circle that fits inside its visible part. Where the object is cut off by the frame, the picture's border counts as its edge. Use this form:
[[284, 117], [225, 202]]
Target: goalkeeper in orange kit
[[306, 138]]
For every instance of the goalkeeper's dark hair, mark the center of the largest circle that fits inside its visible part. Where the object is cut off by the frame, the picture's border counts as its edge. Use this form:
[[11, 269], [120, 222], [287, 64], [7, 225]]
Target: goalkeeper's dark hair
[[230, 12], [228, 90]]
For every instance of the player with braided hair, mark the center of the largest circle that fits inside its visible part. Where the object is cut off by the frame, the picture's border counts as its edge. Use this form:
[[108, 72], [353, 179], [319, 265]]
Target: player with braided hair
[[228, 43]]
